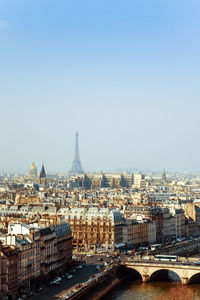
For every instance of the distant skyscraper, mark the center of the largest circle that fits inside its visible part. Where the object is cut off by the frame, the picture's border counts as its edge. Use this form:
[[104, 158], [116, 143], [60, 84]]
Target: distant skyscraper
[[164, 177], [33, 170], [76, 164]]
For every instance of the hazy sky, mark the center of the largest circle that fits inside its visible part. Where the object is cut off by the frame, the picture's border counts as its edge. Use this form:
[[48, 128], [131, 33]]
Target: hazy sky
[[125, 74]]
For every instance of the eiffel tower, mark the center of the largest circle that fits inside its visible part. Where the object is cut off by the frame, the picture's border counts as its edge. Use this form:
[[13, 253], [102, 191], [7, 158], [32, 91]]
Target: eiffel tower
[[76, 164]]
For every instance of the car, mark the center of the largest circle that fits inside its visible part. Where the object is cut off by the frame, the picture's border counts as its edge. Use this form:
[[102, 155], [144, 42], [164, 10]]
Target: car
[[70, 276], [39, 289], [80, 266], [50, 283], [100, 259], [73, 270], [108, 255], [57, 280], [89, 255], [98, 267]]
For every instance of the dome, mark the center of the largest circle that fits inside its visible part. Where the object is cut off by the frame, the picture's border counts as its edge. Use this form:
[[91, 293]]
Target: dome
[[33, 170], [33, 167]]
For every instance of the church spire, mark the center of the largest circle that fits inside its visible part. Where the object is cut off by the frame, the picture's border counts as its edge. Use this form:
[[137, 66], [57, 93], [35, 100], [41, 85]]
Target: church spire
[[43, 175]]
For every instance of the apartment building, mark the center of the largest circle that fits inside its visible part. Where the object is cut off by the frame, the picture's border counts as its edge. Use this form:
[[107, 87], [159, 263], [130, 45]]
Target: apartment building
[[95, 228], [9, 272]]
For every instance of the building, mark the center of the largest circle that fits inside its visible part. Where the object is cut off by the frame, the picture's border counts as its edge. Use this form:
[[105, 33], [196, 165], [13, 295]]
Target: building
[[63, 245], [139, 181], [193, 212], [27, 240], [139, 232], [56, 248], [164, 176], [9, 272], [35, 253], [42, 177], [95, 228], [33, 170]]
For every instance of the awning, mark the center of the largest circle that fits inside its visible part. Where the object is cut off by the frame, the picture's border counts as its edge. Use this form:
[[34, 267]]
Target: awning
[[120, 245]]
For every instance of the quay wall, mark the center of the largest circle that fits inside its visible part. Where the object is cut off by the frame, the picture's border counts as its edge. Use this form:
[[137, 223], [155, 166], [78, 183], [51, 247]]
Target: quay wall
[[101, 287], [99, 292]]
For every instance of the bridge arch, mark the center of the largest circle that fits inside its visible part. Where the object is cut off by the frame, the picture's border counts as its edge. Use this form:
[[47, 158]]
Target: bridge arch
[[130, 273], [149, 273], [164, 274], [194, 278], [186, 272]]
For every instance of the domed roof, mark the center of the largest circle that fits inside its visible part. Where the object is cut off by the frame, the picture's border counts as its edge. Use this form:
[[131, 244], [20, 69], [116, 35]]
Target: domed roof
[[33, 167], [33, 170]]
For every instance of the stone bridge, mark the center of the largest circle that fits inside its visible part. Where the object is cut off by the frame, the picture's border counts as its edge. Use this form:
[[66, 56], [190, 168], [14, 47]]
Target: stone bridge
[[149, 269], [180, 248]]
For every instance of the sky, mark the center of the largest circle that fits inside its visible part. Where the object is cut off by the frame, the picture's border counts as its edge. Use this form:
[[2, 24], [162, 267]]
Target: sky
[[125, 74]]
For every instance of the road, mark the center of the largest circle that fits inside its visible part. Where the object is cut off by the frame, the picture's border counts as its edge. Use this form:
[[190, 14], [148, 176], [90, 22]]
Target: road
[[81, 275]]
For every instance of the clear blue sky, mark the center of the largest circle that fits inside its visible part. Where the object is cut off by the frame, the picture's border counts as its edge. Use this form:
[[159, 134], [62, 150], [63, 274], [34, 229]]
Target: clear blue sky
[[125, 74]]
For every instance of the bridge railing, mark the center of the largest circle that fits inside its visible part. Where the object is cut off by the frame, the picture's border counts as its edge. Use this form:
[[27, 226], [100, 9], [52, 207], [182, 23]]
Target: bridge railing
[[150, 260]]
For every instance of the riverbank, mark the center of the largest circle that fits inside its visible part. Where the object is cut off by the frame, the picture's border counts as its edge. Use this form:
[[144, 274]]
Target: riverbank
[[96, 287]]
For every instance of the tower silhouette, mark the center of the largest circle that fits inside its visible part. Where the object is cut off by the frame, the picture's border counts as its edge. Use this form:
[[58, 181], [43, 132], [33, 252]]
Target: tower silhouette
[[76, 164], [164, 176], [43, 175]]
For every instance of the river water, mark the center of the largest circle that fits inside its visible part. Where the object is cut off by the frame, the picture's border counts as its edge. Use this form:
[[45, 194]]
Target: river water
[[149, 291], [153, 290]]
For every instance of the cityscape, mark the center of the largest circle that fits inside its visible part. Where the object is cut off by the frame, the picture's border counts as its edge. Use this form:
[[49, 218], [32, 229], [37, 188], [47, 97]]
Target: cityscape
[[99, 150], [53, 227]]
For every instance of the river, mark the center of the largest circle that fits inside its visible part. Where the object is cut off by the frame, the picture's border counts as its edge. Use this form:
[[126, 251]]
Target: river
[[153, 290], [150, 291]]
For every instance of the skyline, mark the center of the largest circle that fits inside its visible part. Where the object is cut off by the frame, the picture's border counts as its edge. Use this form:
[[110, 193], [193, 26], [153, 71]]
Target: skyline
[[124, 74]]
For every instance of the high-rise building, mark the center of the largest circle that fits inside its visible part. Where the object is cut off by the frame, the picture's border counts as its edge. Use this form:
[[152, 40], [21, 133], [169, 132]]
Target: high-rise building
[[164, 176], [76, 164]]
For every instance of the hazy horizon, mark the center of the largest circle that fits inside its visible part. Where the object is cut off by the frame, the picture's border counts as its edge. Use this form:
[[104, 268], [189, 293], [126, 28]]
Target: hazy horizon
[[124, 74]]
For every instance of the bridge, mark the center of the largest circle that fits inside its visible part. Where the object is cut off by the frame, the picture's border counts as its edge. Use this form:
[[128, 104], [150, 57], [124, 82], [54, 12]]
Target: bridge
[[181, 248], [150, 269]]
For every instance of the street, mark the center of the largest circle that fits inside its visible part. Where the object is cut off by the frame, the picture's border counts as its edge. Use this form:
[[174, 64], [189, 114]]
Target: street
[[79, 276]]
